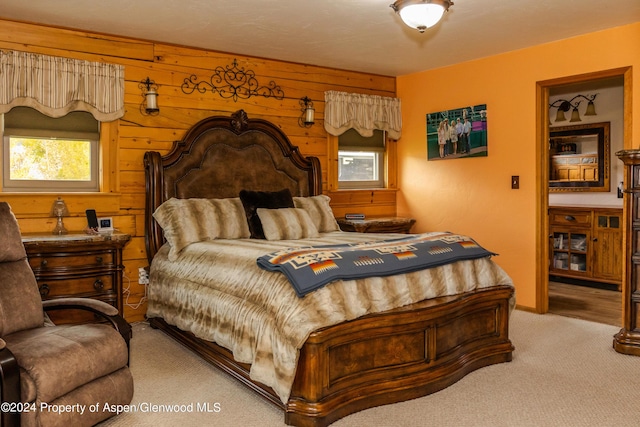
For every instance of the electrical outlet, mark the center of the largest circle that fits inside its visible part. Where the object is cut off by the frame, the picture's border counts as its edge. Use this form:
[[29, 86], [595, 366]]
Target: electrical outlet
[[143, 276], [515, 182]]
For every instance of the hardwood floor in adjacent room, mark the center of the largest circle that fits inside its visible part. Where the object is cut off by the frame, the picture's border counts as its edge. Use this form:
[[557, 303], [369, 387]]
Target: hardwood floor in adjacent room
[[583, 302]]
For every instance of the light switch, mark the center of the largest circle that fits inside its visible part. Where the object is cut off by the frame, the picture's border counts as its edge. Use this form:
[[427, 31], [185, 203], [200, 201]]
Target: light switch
[[515, 182]]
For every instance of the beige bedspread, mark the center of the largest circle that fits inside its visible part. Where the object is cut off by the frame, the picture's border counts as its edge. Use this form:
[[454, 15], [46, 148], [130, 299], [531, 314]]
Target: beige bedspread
[[216, 291]]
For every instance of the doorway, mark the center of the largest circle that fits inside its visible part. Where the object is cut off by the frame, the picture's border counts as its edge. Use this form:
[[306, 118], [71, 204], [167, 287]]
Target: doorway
[[553, 295]]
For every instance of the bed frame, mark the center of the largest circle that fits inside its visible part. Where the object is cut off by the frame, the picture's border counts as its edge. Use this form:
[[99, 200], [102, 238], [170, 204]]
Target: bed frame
[[374, 360]]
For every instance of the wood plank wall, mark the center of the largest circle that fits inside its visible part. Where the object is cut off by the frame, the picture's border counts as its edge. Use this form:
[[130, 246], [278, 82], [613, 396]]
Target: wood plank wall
[[135, 133]]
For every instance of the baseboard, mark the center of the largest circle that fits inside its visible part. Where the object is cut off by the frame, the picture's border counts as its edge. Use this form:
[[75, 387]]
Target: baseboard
[[581, 282]]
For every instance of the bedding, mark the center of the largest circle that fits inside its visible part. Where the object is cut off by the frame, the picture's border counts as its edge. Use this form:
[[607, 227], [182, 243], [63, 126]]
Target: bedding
[[186, 221], [309, 268], [286, 224], [253, 200], [216, 291], [319, 210]]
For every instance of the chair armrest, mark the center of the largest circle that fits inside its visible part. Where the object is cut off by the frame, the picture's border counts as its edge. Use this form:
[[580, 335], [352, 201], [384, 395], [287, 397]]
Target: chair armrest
[[9, 385], [90, 304], [101, 308]]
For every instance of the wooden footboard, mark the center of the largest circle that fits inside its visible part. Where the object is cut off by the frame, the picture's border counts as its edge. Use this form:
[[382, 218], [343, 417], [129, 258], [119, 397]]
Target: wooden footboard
[[382, 358]]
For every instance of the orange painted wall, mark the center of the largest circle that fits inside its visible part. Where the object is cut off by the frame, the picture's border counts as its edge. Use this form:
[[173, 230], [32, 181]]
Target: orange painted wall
[[473, 196]]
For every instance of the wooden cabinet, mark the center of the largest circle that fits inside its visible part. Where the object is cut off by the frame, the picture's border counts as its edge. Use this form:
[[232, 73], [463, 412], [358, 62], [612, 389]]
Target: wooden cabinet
[[377, 225], [574, 167], [77, 265], [586, 243]]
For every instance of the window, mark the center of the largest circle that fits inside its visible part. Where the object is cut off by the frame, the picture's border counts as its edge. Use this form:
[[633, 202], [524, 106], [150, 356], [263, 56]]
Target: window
[[361, 160], [47, 154]]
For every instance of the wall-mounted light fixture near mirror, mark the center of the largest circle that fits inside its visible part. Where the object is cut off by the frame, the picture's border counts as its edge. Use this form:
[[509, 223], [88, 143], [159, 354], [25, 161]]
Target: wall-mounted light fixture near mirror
[[579, 158], [563, 106]]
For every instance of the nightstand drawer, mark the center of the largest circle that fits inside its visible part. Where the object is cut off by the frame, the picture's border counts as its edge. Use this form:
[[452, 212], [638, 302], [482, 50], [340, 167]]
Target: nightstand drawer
[[76, 287], [54, 261]]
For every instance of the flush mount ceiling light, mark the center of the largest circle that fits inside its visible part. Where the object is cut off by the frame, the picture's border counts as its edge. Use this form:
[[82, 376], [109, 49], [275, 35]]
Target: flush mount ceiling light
[[421, 14]]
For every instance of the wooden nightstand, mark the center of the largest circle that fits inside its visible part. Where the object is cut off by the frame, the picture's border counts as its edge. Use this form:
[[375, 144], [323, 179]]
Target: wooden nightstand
[[77, 265], [377, 225]]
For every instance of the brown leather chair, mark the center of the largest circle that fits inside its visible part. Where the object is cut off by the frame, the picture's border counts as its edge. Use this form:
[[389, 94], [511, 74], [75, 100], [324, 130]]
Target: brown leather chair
[[66, 375]]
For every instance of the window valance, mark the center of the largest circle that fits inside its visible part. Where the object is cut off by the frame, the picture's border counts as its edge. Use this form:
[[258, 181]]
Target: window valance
[[364, 113], [56, 86]]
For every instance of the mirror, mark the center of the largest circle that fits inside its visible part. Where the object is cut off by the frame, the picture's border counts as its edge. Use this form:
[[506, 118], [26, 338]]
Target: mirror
[[579, 158]]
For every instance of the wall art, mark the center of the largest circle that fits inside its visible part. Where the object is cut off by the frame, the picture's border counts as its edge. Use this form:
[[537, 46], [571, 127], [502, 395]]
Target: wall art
[[457, 133]]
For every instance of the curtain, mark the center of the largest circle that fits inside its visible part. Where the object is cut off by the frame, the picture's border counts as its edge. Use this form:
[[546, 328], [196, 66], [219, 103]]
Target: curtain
[[363, 113], [56, 86]]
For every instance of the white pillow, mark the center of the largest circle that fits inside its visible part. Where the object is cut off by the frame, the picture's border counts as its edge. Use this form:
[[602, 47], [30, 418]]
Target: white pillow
[[286, 224], [319, 210]]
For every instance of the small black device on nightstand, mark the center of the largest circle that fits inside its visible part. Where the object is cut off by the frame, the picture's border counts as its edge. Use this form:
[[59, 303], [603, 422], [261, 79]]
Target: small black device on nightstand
[[92, 219]]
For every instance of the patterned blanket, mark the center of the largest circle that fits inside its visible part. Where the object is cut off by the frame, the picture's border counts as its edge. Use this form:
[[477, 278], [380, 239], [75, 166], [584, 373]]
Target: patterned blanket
[[310, 268]]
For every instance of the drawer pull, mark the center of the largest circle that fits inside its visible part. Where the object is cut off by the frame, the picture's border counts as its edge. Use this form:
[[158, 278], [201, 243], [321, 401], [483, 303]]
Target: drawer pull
[[99, 259], [98, 285], [570, 218], [44, 290], [43, 263]]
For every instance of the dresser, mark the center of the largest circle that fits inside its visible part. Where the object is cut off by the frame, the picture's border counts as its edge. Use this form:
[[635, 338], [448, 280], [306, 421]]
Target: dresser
[[77, 265], [586, 243]]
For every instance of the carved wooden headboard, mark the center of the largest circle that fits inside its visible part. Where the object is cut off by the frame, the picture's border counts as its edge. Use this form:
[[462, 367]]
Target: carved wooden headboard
[[218, 157]]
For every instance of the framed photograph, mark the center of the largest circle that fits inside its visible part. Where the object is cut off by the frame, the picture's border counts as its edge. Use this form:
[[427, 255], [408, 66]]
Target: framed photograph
[[453, 134], [105, 225]]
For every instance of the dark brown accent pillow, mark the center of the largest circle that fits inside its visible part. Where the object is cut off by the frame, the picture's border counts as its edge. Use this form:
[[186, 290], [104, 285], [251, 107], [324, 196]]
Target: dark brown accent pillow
[[252, 200]]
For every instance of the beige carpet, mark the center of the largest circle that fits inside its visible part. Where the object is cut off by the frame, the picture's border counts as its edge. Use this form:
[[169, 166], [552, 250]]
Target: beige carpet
[[564, 373]]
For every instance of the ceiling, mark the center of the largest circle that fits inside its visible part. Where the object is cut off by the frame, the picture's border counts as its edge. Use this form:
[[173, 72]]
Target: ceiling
[[358, 35]]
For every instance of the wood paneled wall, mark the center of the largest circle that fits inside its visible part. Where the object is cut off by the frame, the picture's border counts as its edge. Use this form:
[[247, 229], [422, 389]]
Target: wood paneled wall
[[135, 133]]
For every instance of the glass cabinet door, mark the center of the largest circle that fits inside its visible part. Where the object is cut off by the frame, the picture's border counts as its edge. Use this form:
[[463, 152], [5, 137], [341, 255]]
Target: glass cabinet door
[[570, 251]]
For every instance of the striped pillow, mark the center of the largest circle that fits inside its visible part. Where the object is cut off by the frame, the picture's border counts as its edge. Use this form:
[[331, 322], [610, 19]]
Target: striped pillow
[[186, 221], [286, 224], [232, 219], [319, 210]]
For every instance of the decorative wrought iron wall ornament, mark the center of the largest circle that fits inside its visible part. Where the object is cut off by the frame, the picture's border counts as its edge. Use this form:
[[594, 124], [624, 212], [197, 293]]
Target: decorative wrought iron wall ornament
[[232, 82]]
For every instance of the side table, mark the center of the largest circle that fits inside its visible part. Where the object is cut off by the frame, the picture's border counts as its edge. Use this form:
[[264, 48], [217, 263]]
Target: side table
[[77, 265], [377, 225]]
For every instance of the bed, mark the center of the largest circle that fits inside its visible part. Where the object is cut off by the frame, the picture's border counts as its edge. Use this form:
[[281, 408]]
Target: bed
[[322, 360]]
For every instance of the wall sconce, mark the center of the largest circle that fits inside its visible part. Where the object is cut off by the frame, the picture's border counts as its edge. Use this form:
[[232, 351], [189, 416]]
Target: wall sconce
[[59, 209], [149, 89], [564, 106], [308, 113]]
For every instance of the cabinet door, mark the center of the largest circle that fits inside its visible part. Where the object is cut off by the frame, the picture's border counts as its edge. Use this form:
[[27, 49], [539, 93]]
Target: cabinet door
[[569, 253], [607, 246], [589, 173]]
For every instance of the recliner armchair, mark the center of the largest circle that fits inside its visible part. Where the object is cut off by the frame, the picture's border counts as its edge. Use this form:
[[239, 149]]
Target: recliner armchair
[[66, 375]]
